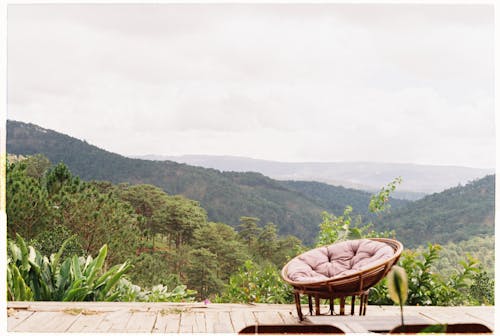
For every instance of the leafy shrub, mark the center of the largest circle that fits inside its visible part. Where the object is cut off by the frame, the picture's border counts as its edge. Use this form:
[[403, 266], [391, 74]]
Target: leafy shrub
[[32, 276], [159, 293], [49, 241], [338, 228], [466, 286], [151, 269], [482, 289], [257, 284]]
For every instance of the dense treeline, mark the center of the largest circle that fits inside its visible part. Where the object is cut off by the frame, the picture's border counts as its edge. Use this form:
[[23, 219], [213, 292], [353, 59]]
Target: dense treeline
[[480, 248], [295, 208], [167, 238], [454, 215]]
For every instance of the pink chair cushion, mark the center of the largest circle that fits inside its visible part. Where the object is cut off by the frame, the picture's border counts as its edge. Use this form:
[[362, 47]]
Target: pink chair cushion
[[337, 260]]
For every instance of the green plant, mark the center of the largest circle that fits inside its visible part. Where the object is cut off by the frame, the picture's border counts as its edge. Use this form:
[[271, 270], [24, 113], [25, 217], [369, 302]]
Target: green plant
[[397, 284], [425, 287], [422, 282], [482, 289], [379, 202], [32, 276], [49, 241], [337, 228], [456, 290], [159, 293], [257, 284]]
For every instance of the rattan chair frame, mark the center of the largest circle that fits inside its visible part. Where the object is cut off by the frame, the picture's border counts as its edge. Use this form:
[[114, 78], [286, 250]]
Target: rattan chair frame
[[354, 285]]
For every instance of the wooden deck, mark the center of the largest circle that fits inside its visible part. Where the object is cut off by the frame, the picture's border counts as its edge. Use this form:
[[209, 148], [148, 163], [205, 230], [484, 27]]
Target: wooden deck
[[107, 317]]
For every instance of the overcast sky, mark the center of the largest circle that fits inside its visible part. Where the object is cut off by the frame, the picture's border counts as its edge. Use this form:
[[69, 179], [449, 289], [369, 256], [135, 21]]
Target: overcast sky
[[289, 82]]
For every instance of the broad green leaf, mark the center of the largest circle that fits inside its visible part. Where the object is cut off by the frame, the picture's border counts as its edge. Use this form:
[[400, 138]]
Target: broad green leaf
[[397, 283], [75, 268], [77, 294], [97, 264]]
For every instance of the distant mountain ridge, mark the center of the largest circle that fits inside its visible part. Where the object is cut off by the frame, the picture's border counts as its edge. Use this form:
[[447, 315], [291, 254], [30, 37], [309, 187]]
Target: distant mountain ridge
[[456, 214], [225, 195], [418, 180]]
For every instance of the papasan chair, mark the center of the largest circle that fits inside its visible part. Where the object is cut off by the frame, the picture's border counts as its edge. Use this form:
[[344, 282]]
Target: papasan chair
[[348, 268]]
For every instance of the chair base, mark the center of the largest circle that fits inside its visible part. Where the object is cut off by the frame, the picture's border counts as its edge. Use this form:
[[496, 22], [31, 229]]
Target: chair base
[[363, 302]]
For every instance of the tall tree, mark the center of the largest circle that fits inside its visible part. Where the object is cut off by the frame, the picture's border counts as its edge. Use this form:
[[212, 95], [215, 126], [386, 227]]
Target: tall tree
[[184, 217], [267, 241], [151, 203], [37, 165], [27, 206], [248, 230], [201, 273], [222, 241]]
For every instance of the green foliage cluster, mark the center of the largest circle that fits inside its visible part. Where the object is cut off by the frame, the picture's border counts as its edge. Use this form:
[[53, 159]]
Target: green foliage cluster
[[166, 238], [258, 284], [380, 202], [480, 248], [466, 285], [339, 228], [128, 292], [32, 276], [53, 205]]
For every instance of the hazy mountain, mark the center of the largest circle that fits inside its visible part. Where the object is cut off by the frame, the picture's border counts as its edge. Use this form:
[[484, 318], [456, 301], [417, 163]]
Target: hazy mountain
[[225, 195], [418, 180], [295, 207]]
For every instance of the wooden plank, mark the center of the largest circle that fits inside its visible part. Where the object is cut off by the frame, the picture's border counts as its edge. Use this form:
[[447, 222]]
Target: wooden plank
[[241, 319], [218, 322], [15, 317], [351, 327], [114, 321], [453, 315], [141, 321], [46, 322], [287, 317], [484, 314], [444, 315], [267, 317], [160, 323], [192, 322], [87, 323], [167, 322], [216, 318]]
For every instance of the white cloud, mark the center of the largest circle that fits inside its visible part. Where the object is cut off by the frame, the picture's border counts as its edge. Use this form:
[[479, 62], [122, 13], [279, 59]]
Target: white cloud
[[329, 82]]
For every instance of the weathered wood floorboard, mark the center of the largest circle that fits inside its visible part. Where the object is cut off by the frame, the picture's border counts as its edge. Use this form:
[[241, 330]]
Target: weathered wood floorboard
[[241, 319], [115, 321], [98, 317], [171, 322], [141, 322], [218, 322], [86, 323], [16, 317], [47, 322]]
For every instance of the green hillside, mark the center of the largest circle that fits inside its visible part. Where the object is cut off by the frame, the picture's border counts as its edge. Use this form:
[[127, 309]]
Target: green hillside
[[226, 196], [454, 215], [327, 197]]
